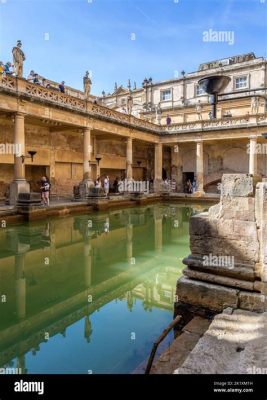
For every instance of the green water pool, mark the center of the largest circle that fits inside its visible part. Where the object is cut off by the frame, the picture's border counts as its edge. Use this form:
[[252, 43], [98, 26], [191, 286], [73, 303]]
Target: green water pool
[[90, 293]]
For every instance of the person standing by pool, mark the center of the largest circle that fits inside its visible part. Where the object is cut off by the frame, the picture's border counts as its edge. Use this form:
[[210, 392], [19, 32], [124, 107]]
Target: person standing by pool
[[45, 190], [106, 185]]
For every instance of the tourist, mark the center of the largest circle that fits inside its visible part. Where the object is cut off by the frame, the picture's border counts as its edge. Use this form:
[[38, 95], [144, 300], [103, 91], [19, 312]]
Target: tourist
[[194, 185], [2, 70], [98, 183], [61, 87], [43, 83], [45, 190], [115, 185], [106, 185], [168, 120], [30, 77], [189, 186], [8, 68], [36, 79]]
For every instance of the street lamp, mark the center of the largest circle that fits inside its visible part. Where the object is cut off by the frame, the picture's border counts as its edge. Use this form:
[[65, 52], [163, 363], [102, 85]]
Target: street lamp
[[31, 155], [98, 158]]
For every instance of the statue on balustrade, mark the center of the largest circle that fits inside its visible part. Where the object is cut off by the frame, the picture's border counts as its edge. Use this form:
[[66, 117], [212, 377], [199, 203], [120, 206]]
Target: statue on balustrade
[[18, 59], [87, 85], [199, 110], [254, 105]]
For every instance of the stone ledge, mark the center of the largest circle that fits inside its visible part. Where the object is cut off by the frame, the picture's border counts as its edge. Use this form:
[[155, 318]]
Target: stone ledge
[[213, 297]]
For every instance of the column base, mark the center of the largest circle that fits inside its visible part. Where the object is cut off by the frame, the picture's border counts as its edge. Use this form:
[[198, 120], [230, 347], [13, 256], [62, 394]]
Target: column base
[[157, 185], [85, 188], [16, 187], [198, 193]]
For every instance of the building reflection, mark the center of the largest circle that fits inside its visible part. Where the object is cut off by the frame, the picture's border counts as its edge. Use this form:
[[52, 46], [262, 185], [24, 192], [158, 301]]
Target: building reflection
[[66, 269]]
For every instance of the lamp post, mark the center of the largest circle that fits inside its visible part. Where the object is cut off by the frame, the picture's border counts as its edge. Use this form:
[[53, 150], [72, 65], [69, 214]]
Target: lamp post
[[30, 155], [98, 159]]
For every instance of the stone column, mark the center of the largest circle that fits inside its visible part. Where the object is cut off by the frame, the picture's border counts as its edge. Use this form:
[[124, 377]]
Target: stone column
[[158, 167], [87, 182], [129, 159], [177, 167], [20, 286], [253, 155], [87, 151], [129, 236], [87, 253], [199, 168], [19, 185]]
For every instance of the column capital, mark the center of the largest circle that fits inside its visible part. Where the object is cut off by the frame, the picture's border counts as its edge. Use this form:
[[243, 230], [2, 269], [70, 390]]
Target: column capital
[[19, 114]]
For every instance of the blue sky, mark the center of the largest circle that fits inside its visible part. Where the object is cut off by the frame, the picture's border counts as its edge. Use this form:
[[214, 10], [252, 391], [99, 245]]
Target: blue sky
[[96, 35]]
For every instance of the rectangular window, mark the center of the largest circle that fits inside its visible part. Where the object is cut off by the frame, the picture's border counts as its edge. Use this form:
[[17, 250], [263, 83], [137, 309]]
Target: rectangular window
[[166, 95], [241, 82], [199, 91]]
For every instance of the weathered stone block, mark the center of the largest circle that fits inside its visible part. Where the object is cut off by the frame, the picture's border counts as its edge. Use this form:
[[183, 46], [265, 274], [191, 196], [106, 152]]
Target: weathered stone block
[[252, 301], [213, 297], [237, 185], [243, 251]]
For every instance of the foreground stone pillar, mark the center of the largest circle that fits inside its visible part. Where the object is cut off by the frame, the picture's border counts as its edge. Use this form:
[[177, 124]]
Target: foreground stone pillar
[[199, 169], [19, 185], [253, 155], [129, 159], [158, 167], [228, 250]]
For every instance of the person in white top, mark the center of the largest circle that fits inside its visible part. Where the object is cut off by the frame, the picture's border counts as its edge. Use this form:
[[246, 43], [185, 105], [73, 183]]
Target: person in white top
[[106, 185]]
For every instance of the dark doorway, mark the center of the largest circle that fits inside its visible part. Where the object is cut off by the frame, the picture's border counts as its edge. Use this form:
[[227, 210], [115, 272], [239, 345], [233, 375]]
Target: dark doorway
[[164, 174], [186, 176]]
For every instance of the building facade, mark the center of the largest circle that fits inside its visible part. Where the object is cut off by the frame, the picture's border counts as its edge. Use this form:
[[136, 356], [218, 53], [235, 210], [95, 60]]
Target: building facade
[[182, 98]]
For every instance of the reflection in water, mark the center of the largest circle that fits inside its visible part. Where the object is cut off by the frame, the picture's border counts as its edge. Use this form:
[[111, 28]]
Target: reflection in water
[[89, 292]]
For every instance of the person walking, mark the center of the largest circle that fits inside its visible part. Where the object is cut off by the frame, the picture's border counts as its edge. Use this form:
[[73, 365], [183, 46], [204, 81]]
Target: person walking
[[106, 185], [45, 191]]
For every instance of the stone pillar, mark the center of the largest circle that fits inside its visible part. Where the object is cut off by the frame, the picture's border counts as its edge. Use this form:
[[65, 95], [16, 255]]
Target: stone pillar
[[87, 183], [199, 168], [157, 229], [87, 151], [253, 155], [20, 286], [177, 168], [129, 159], [19, 185], [129, 236], [87, 252], [158, 167]]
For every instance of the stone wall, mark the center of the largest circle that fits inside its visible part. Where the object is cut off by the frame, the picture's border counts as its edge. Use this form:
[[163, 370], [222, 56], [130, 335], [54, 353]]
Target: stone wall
[[227, 264]]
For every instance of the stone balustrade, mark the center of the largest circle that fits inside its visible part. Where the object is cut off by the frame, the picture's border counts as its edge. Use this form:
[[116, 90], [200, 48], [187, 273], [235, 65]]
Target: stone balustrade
[[223, 123], [21, 86]]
